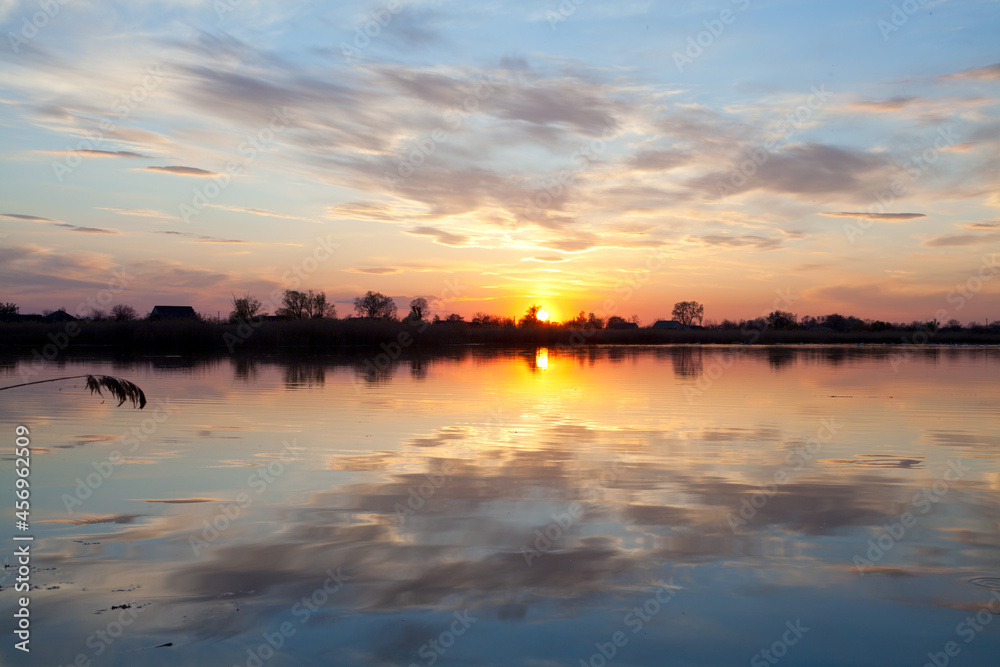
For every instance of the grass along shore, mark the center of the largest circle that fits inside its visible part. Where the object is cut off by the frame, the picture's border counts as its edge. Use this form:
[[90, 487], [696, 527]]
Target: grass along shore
[[192, 337]]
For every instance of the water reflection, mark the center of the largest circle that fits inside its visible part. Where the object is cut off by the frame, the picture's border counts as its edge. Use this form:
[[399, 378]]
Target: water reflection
[[543, 494]]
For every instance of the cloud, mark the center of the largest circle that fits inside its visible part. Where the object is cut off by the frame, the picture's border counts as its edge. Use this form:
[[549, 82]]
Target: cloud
[[138, 212], [258, 211], [98, 153], [983, 225], [952, 240], [183, 171], [20, 216], [891, 104], [377, 271], [441, 236], [58, 223], [363, 211], [887, 217], [546, 258], [810, 170], [198, 238], [986, 73], [747, 240], [87, 230], [658, 160]]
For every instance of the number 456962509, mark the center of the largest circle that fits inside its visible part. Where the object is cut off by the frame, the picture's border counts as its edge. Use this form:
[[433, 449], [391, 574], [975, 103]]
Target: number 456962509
[[23, 467]]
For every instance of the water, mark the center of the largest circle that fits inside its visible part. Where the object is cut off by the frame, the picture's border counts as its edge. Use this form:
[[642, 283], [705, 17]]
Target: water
[[679, 506]]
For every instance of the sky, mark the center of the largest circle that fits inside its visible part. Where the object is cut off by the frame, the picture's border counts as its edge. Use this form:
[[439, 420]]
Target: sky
[[583, 155]]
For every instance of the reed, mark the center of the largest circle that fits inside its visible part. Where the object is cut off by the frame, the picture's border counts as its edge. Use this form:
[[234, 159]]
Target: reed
[[119, 388]]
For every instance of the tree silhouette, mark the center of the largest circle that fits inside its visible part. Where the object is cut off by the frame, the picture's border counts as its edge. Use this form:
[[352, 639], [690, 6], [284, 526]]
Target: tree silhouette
[[245, 308], [530, 317], [418, 308], [686, 312], [123, 313], [305, 305], [376, 306]]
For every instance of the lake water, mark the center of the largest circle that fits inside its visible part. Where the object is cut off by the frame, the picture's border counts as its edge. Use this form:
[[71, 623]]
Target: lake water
[[626, 506]]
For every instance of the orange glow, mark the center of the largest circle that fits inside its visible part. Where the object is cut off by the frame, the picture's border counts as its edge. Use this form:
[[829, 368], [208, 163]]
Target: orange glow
[[542, 315]]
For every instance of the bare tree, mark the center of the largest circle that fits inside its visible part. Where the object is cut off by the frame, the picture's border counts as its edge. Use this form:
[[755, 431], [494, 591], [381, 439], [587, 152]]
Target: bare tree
[[376, 306], [686, 312], [123, 313], [305, 305], [418, 308], [245, 308]]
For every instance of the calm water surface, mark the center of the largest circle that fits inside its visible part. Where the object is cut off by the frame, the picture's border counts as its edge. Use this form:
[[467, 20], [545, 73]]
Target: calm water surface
[[679, 506]]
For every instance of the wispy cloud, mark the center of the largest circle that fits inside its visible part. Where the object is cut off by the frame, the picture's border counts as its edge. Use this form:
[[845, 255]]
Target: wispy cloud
[[887, 217], [87, 230], [92, 152], [891, 104], [21, 216], [198, 238], [985, 73], [258, 211], [138, 212], [546, 258], [183, 171], [952, 240], [375, 271], [441, 236], [747, 240]]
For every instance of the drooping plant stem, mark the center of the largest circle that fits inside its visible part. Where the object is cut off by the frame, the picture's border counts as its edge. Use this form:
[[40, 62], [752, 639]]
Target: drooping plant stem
[[119, 388]]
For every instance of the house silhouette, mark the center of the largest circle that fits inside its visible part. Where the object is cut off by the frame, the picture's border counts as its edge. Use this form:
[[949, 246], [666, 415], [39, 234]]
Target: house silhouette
[[173, 313]]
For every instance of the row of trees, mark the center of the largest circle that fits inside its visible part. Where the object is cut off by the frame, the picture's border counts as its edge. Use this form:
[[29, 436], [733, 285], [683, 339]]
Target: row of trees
[[780, 319], [299, 305]]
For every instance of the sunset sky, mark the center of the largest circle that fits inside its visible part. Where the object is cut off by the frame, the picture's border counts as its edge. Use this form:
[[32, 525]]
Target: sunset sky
[[492, 155]]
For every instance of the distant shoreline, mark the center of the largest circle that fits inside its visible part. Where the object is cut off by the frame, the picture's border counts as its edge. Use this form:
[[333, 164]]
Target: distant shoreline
[[196, 337]]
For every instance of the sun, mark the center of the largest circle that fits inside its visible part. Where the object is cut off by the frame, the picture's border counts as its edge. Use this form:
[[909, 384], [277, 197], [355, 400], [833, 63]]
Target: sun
[[542, 315]]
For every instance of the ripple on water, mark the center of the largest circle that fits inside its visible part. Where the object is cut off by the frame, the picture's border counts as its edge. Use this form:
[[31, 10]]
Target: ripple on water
[[993, 583]]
